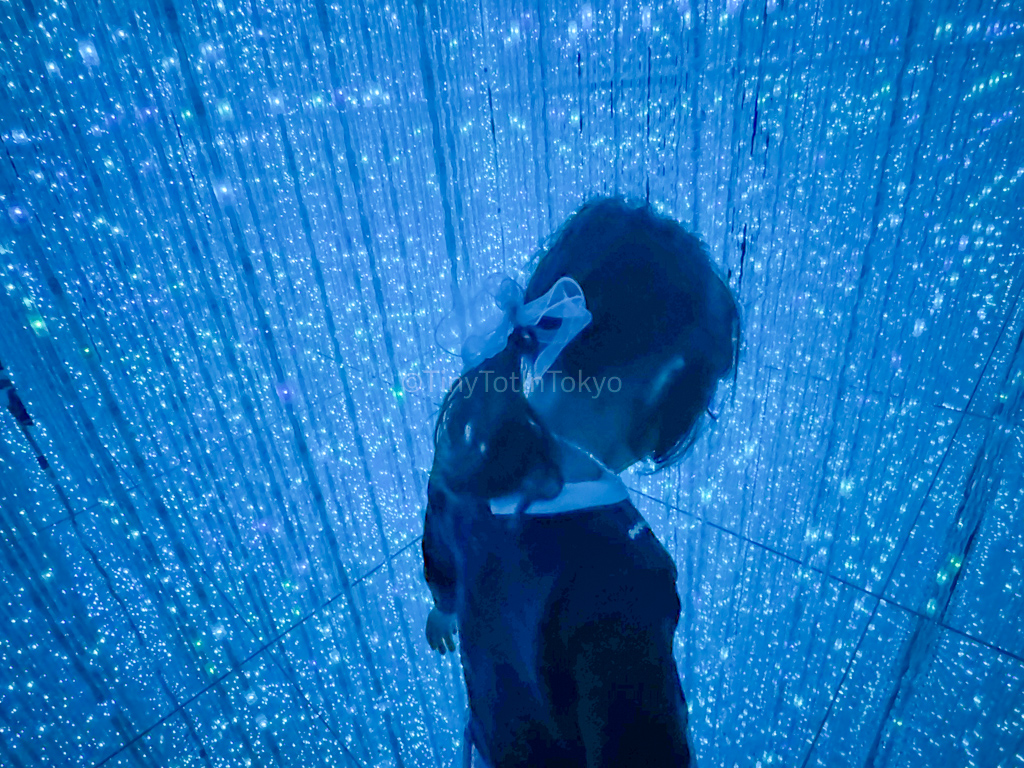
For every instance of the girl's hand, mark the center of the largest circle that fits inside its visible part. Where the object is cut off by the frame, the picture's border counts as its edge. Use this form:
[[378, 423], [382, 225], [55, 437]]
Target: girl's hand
[[441, 630]]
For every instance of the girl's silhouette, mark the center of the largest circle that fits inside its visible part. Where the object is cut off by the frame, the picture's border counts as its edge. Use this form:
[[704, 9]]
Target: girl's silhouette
[[564, 600]]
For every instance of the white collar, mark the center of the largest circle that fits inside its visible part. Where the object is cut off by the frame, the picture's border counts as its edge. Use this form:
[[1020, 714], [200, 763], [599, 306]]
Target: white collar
[[608, 489]]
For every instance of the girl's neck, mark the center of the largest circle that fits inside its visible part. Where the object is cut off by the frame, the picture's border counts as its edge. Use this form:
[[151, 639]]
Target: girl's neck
[[578, 464], [592, 435]]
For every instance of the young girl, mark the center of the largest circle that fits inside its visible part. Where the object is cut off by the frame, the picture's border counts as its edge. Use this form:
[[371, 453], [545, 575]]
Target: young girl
[[564, 600]]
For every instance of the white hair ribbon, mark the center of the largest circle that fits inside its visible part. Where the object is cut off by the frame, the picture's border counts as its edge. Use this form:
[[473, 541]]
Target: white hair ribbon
[[555, 319]]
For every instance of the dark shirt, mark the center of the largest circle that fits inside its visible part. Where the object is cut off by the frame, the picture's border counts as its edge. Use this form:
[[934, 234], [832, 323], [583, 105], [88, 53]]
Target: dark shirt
[[566, 626]]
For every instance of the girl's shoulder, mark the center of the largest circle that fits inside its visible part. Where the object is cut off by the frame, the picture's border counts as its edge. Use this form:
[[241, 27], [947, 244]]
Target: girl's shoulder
[[612, 543], [616, 568]]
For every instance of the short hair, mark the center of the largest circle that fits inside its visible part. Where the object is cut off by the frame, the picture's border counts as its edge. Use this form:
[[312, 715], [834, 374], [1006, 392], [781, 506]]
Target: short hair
[[655, 298]]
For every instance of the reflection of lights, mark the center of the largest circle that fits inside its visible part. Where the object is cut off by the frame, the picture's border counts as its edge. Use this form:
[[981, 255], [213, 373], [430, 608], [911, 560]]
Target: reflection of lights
[[88, 52], [587, 17]]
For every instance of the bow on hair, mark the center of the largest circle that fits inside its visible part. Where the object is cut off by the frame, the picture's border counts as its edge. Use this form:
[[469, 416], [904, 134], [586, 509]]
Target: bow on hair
[[488, 329]]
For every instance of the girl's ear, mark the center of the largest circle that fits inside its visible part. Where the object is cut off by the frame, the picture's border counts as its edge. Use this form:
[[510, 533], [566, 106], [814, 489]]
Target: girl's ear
[[645, 427], [666, 375]]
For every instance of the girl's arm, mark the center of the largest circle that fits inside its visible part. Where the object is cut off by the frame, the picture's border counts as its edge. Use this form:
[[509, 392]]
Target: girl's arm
[[630, 707], [438, 558], [439, 572], [628, 711]]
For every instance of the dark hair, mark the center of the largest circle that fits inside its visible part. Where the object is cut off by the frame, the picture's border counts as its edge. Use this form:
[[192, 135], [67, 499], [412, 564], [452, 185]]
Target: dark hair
[[653, 294]]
